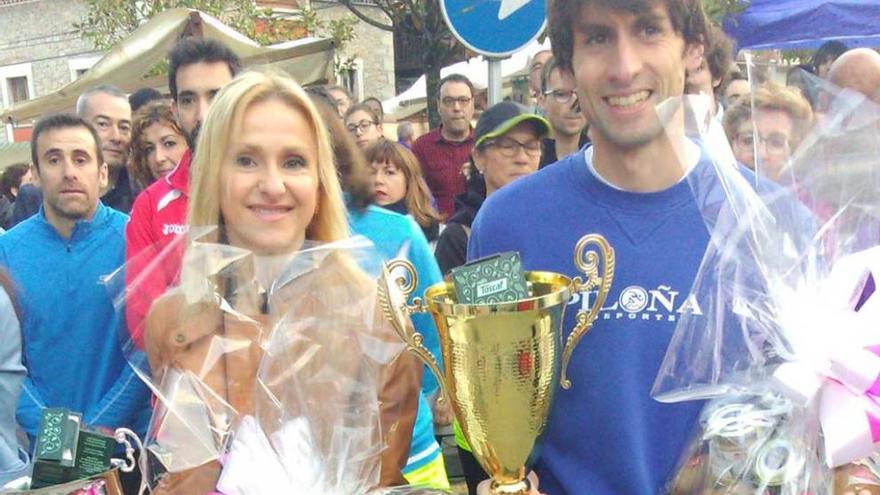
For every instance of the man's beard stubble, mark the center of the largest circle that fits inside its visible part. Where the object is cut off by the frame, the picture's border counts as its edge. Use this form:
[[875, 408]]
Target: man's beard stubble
[[193, 137]]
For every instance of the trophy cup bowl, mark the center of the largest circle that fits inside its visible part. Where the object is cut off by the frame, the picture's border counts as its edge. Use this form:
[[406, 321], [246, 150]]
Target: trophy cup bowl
[[502, 361]]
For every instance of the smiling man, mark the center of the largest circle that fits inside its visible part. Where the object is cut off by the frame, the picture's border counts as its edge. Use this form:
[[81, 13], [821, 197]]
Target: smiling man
[[57, 259], [106, 107], [607, 436]]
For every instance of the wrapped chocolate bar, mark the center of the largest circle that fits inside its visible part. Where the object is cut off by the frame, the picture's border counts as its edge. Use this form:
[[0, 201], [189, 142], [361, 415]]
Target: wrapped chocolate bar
[[275, 374], [785, 346]]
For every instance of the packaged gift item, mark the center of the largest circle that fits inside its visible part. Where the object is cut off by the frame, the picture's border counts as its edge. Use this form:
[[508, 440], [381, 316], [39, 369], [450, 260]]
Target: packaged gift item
[[65, 451], [275, 374], [785, 347]]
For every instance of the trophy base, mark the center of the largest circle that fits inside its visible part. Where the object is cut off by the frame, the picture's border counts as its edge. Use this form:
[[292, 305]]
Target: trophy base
[[521, 487]]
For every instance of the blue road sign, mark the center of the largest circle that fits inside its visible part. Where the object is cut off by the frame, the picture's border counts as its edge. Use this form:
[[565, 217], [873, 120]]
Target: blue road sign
[[495, 28]]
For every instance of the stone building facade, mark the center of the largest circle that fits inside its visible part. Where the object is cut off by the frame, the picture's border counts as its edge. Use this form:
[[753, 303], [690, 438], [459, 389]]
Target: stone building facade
[[41, 51]]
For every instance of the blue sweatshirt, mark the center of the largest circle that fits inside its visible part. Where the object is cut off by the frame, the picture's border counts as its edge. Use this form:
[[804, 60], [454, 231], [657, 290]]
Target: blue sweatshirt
[[72, 348], [607, 436], [389, 231]]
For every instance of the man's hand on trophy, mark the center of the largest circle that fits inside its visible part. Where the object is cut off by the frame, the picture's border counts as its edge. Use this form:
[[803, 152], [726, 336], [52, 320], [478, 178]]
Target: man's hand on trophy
[[442, 409], [483, 488]]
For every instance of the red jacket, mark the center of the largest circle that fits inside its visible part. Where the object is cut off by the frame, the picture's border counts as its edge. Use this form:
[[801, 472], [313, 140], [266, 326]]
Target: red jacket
[[158, 218]]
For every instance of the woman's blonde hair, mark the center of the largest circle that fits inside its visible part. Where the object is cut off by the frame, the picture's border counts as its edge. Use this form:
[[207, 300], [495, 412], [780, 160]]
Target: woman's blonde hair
[[224, 120], [154, 112], [418, 197]]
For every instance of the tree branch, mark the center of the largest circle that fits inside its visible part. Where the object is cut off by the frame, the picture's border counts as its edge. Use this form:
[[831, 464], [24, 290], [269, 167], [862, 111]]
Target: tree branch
[[360, 15], [388, 10]]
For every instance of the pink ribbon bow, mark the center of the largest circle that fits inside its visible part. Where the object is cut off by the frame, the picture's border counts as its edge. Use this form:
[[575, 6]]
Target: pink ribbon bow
[[847, 383]]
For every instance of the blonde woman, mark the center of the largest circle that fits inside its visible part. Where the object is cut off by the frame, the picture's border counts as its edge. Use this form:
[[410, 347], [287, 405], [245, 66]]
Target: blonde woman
[[264, 175]]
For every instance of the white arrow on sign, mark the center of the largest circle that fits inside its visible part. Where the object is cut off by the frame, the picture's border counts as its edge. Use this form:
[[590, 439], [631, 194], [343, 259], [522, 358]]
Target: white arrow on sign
[[509, 7]]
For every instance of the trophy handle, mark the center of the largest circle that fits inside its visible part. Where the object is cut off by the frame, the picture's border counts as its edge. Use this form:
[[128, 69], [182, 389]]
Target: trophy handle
[[588, 261], [123, 436], [398, 315]]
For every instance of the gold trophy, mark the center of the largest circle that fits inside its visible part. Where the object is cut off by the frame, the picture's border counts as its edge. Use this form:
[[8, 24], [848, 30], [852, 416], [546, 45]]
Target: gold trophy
[[502, 361]]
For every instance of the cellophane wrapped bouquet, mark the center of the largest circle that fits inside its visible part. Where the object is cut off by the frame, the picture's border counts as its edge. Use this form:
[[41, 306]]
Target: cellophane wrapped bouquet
[[274, 374], [785, 352]]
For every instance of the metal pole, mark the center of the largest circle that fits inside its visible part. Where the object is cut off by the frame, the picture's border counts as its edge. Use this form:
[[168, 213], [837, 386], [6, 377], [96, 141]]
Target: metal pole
[[494, 80]]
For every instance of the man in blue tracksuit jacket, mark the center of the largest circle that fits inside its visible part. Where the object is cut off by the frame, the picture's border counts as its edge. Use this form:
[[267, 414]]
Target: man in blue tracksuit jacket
[[57, 258]]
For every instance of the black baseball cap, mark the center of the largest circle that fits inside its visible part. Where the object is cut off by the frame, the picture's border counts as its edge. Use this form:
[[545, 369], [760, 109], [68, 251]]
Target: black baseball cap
[[502, 117]]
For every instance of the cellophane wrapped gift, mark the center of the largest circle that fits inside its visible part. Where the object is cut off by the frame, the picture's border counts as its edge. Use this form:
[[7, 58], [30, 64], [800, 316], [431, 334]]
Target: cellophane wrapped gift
[[274, 374], [785, 351]]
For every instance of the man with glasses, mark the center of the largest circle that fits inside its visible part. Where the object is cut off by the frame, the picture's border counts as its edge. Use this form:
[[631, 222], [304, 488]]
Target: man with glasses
[[443, 151], [558, 101]]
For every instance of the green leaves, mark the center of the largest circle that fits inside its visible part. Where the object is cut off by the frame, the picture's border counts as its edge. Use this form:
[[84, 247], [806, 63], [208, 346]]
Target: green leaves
[[718, 10], [109, 21]]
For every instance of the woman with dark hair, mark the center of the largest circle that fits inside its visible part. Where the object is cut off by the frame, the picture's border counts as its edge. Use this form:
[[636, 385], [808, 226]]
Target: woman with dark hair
[[394, 235], [10, 182], [157, 143], [13, 460], [399, 185]]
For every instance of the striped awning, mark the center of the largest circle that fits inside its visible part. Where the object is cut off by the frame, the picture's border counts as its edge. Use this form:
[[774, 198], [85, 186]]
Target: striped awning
[[14, 153]]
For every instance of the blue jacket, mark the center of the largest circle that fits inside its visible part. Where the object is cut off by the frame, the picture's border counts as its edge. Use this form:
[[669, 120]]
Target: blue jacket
[[13, 462], [71, 330], [389, 231]]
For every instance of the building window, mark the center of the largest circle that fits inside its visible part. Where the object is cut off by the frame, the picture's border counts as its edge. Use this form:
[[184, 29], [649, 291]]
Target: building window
[[17, 89], [352, 77]]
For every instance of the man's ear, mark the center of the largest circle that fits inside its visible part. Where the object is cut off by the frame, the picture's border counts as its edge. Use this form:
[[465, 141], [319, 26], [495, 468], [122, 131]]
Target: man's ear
[[103, 175], [693, 56]]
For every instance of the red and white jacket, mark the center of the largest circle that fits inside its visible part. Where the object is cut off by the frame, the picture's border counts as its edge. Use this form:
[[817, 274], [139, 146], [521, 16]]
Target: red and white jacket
[[158, 218]]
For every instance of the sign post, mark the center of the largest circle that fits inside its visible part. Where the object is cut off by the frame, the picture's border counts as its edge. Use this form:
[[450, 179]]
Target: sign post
[[495, 30]]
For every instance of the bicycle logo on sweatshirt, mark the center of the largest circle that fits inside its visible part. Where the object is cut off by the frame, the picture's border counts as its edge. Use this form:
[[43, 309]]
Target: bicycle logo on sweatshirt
[[662, 303]]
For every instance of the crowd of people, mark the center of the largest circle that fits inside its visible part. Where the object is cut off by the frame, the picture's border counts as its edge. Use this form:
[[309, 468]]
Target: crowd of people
[[124, 181]]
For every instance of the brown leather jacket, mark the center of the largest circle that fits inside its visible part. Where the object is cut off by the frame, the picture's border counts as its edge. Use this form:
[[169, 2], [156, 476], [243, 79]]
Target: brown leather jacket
[[224, 350]]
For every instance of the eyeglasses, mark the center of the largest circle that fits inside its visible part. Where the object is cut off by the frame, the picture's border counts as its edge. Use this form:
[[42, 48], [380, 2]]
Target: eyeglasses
[[509, 147], [561, 95], [775, 143], [449, 101], [362, 126]]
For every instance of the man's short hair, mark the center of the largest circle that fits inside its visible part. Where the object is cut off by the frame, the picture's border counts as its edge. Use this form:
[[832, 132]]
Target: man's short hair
[[687, 16], [62, 121], [379, 102], [549, 66], [143, 96], [82, 102], [458, 78], [193, 50], [829, 50], [405, 131]]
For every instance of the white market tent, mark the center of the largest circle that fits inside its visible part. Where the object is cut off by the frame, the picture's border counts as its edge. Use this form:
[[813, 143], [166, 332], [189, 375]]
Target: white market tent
[[308, 60], [476, 69]]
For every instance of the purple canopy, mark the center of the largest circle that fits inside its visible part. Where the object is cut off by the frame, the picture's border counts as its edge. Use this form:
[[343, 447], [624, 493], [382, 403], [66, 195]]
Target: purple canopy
[[802, 24]]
